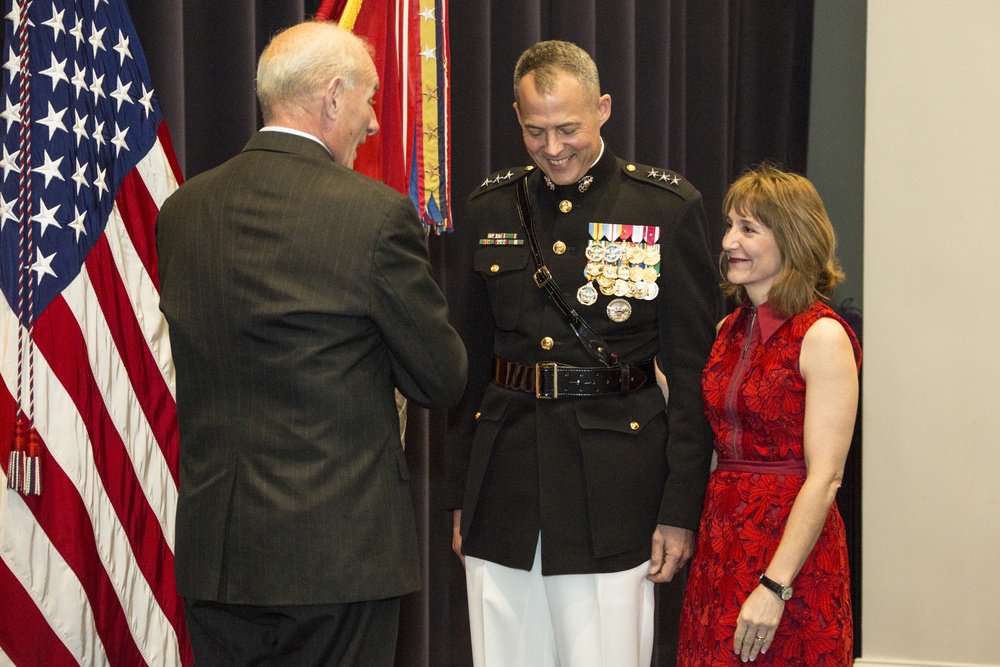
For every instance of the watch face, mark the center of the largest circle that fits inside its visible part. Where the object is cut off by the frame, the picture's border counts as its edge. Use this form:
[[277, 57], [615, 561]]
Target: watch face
[[786, 593]]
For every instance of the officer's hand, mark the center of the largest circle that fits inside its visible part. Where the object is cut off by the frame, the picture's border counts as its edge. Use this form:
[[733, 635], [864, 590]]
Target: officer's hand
[[672, 547], [456, 535]]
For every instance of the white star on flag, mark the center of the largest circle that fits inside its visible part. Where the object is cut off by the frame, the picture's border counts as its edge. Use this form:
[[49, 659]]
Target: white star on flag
[[88, 421]]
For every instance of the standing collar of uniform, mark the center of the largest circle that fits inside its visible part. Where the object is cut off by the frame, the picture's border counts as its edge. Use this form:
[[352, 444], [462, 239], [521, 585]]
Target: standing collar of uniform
[[600, 172], [768, 318]]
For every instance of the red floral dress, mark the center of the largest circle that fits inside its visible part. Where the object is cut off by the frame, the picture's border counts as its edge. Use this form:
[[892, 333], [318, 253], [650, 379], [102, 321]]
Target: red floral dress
[[755, 401]]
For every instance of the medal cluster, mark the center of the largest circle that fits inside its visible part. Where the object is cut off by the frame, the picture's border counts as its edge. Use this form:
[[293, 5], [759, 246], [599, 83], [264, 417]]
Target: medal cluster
[[624, 269]]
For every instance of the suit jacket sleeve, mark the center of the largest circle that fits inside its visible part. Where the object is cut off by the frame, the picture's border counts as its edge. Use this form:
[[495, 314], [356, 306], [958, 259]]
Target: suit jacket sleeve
[[428, 358], [472, 316], [692, 300]]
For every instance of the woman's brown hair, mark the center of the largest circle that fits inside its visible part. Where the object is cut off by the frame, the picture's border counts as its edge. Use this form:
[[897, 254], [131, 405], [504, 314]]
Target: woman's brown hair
[[788, 205]]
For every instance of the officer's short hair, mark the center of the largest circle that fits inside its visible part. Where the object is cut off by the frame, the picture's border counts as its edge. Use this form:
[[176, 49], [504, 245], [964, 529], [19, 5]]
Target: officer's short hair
[[548, 59]]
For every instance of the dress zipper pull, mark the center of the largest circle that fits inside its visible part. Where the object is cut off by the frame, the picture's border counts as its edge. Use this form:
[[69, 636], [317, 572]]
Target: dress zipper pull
[[753, 318]]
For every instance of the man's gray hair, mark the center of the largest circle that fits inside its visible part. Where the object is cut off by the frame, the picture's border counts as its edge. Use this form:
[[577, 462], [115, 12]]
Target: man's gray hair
[[301, 59]]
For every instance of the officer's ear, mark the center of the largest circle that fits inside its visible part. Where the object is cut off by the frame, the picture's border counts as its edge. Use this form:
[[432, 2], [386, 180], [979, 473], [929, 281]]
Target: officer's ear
[[604, 108]]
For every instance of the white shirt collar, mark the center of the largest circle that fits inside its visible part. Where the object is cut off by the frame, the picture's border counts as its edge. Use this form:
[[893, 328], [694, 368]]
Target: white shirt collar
[[300, 133], [599, 155]]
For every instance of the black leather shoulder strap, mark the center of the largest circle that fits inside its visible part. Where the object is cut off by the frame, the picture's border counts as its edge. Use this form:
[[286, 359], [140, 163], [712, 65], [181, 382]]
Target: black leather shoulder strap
[[593, 343]]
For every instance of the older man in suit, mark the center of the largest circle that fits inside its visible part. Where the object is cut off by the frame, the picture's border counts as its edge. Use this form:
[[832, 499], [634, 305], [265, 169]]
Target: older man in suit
[[298, 295]]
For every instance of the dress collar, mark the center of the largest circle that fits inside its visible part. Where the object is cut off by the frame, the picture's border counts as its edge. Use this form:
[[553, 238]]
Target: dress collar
[[768, 319]]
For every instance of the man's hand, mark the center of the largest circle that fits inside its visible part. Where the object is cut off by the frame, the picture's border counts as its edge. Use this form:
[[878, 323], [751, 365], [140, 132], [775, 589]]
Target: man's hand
[[456, 535], [672, 547]]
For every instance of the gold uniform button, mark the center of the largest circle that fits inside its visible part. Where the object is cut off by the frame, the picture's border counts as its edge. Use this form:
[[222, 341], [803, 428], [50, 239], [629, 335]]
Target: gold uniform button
[[565, 206], [494, 268], [634, 426], [547, 343], [477, 415], [630, 167], [529, 167], [558, 247]]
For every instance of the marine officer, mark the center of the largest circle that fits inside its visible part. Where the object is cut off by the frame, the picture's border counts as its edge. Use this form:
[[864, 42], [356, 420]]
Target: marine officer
[[579, 455]]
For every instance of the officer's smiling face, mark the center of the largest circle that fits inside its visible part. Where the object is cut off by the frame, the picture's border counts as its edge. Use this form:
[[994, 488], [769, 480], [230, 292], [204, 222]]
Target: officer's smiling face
[[561, 127]]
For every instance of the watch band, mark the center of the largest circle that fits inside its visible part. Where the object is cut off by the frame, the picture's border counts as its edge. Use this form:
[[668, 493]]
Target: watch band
[[783, 592]]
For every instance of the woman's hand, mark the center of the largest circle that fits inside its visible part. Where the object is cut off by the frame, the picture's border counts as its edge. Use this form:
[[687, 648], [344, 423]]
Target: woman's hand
[[757, 623]]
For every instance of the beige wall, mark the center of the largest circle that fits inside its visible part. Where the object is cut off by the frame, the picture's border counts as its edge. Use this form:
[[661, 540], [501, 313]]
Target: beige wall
[[931, 578]]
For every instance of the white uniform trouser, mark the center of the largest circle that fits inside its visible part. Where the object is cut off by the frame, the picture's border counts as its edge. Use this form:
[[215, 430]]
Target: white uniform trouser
[[520, 618]]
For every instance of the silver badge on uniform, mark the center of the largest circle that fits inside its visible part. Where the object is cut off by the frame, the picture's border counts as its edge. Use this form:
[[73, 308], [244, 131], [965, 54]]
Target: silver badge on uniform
[[619, 310]]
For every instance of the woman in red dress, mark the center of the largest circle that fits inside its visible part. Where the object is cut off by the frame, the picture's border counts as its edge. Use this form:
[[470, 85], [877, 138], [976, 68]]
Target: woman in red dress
[[769, 579]]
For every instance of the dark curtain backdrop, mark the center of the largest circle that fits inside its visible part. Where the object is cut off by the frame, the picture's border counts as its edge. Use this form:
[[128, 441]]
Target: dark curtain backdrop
[[704, 87]]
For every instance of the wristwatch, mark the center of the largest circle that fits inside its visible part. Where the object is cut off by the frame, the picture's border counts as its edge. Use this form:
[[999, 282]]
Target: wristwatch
[[783, 592]]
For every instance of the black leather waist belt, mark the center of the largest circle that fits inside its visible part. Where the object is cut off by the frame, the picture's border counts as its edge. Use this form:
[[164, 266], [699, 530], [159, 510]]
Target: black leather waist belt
[[547, 379]]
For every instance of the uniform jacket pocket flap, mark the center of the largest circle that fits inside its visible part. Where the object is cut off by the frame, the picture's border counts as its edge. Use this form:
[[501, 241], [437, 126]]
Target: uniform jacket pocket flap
[[493, 406], [492, 260], [619, 413]]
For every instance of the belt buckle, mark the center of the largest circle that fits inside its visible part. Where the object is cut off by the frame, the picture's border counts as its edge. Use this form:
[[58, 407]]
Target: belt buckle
[[542, 276], [538, 379]]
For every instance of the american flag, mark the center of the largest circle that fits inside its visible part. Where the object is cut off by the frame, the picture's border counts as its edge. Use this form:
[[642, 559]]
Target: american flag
[[86, 546]]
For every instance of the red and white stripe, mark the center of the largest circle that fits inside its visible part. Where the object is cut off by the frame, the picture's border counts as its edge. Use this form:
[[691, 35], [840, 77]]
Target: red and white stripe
[[86, 569]]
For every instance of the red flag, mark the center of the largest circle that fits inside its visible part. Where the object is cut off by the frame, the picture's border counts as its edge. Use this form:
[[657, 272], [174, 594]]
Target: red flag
[[86, 563], [411, 151]]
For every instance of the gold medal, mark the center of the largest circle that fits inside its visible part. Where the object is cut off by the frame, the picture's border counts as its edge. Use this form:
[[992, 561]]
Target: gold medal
[[649, 274], [587, 295], [636, 255], [595, 252], [613, 253]]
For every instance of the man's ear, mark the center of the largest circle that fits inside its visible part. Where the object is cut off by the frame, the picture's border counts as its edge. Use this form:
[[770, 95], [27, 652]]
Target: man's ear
[[604, 108], [333, 95], [518, 112]]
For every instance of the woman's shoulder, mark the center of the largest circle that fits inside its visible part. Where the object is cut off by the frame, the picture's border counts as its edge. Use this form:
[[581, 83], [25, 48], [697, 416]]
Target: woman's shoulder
[[827, 333]]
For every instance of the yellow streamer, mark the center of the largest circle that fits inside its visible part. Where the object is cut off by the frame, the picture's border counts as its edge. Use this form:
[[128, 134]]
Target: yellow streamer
[[350, 14]]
